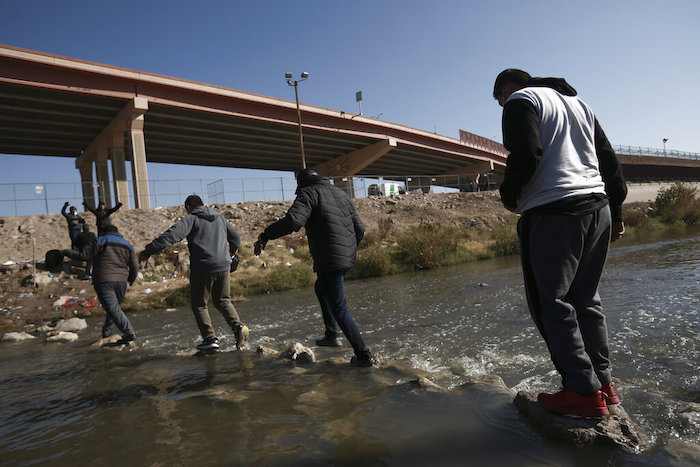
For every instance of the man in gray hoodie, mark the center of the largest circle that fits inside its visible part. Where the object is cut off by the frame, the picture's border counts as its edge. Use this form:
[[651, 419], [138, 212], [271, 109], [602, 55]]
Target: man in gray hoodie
[[211, 240]]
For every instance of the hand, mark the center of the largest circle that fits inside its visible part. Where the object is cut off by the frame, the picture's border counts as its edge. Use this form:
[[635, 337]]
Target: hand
[[131, 284], [259, 246], [143, 256], [618, 228], [84, 203], [119, 205], [65, 205]]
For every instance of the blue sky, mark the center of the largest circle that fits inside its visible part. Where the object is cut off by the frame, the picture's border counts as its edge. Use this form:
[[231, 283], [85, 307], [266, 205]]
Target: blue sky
[[425, 64]]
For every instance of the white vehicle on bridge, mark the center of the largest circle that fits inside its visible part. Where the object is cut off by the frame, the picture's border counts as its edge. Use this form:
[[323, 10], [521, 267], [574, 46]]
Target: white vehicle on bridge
[[385, 189]]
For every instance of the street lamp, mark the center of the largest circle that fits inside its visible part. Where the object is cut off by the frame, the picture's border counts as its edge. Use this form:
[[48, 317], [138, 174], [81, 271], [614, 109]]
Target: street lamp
[[295, 83], [664, 140]]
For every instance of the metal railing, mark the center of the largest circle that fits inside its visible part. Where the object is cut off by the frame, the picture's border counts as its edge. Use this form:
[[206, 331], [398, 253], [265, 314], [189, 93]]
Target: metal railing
[[655, 152], [24, 199]]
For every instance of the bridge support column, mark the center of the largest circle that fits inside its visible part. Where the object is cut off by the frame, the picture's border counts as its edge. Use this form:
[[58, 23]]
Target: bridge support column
[[86, 183], [104, 193], [138, 163], [353, 162], [121, 188]]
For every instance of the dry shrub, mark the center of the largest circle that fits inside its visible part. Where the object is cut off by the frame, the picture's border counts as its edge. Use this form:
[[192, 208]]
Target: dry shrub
[[678, 203], [385, 226]]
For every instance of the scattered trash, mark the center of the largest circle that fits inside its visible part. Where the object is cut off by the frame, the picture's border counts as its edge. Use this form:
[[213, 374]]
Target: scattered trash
[[8, 263], [288, 264], [146, 291], [66, 302], [25, 295], [482, 284]]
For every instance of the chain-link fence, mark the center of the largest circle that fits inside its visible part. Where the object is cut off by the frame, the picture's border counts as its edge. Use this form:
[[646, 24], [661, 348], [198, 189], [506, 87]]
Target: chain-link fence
[[23, 199]]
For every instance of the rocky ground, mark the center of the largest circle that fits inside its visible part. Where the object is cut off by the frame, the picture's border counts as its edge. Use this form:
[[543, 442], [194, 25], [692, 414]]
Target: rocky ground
[[29, 237]]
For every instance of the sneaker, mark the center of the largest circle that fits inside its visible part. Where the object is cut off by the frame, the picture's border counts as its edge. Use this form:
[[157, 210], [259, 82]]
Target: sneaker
[[367, 359], [570, 402], [241, 333], [329, 342], [209, 344], [611, 397]]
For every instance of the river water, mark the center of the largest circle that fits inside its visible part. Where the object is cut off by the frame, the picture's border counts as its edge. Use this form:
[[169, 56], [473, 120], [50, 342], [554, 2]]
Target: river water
[[67, 404]]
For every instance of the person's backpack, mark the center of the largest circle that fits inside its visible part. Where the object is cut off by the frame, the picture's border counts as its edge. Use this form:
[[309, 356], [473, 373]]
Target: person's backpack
[[53, 260]]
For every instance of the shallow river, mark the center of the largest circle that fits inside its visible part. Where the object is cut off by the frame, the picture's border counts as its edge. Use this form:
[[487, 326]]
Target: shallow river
[[65, 404]]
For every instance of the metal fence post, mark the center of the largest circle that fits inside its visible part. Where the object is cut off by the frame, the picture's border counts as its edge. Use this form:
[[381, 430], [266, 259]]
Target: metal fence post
[[46, 197]]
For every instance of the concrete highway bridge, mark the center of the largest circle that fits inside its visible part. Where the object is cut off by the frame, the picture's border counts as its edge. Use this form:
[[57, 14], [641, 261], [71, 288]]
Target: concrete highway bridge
[[101, 114]]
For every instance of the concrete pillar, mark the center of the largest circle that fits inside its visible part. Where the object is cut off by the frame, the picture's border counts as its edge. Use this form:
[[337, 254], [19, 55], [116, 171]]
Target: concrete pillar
[[86, 183], [346, 184], [352, 163], [121, 188], [104, 192], [138, 163]]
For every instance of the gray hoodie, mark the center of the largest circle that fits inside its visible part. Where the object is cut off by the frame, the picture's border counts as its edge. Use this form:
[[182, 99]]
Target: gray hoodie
[[210, 239]]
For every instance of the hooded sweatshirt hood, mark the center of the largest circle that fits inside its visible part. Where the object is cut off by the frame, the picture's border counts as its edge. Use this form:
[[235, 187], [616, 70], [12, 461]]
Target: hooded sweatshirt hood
[[558, 84], [205, 213]]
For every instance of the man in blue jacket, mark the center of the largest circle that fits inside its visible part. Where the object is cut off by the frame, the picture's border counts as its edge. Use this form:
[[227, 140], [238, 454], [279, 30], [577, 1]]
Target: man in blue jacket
[[334, 230], [565, 180], [211, 240], [114, 264]]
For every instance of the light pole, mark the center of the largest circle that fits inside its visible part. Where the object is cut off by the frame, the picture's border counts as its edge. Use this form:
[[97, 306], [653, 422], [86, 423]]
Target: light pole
[[664, 140], [295, 83]]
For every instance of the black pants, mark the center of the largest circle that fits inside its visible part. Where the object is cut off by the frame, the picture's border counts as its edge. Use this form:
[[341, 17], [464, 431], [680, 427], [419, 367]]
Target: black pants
[[563, 258], [330, 291]]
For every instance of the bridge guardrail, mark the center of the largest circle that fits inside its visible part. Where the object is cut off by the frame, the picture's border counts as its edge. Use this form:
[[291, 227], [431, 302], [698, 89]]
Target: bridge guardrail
[[655, 152]]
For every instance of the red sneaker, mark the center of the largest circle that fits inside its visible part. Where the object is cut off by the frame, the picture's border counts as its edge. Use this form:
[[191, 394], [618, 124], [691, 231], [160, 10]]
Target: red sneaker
[[610, 395], [570, 402]]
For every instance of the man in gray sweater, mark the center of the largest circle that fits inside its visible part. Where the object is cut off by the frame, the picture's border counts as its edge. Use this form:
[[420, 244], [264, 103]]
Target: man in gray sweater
[[211, 240]]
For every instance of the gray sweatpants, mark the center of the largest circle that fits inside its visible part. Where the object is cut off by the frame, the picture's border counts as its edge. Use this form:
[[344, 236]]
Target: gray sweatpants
[[563, 258]]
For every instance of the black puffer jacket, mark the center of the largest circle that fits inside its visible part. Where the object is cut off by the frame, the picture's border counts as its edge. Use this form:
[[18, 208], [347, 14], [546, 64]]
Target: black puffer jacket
[[332, 225]]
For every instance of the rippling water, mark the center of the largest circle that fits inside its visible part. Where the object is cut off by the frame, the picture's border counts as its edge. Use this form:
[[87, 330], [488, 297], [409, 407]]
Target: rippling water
[[66, 404]]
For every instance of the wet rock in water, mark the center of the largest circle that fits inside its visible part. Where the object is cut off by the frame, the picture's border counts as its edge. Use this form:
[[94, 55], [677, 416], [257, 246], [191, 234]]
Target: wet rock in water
[[266, 351], [616, 429], [681, 453], [110, 340], [299, 354], [423, 384], [44, 329], [16, 336], [61, 336], [689, 414], [71, 325], [488, 380]]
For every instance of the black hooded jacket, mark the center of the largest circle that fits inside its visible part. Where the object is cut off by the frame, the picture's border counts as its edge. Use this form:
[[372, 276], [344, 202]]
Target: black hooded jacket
[[332, 225]]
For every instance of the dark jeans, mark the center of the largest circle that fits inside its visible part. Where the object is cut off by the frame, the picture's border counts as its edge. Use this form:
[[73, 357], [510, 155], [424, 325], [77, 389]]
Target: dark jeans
[[331, 296], [73, 237], [217, 285], [563, 258], [111, 294]]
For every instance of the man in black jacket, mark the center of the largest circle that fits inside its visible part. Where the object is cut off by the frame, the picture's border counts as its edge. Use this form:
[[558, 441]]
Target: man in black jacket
[[74, 223], [102, 215], [334, 230], [565, 180]]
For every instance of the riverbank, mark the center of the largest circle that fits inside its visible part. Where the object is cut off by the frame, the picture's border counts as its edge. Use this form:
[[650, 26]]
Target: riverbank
[[403, 233]]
